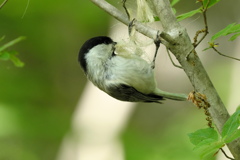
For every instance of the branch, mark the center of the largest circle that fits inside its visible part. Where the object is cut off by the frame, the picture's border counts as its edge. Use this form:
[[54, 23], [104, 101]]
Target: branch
[[194, 68], [113, 11], [224, 54], [205, 30]]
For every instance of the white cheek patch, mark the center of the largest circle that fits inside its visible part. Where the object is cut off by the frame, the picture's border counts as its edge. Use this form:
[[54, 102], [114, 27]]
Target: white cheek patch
[[102, 51]]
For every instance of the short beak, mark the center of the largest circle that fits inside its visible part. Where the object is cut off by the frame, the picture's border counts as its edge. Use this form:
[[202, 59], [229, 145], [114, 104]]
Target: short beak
[[114, 44]]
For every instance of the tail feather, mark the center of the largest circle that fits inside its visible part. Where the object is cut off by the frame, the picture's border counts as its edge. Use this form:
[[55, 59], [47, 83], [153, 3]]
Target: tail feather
[[173, 96]]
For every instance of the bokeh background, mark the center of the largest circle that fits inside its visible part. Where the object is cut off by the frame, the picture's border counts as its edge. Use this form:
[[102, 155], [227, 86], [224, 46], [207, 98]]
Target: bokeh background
[[37, 101]]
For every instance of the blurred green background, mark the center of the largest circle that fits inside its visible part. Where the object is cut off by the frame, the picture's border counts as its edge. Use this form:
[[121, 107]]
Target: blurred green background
[[37, 101]]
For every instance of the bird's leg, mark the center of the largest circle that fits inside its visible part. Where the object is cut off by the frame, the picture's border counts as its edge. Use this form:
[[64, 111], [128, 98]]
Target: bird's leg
[[130, 27], [157, 42]]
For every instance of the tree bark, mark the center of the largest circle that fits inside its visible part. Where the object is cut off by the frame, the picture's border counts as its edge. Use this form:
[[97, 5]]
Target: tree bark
[[180, 45]]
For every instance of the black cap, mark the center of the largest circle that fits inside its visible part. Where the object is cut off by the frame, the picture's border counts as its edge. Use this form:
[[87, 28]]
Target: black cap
[[89, 44]]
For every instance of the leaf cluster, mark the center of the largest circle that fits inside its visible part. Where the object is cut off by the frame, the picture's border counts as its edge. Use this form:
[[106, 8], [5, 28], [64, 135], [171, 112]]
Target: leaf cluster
[[230, 29], [207, 141], [205, 5]]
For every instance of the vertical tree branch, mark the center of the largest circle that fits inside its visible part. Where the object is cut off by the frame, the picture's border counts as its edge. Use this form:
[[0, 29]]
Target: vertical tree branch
[[193, 67], [167, 18]]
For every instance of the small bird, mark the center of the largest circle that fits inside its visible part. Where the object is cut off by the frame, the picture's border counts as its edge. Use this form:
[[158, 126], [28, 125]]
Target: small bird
[[126, 78]]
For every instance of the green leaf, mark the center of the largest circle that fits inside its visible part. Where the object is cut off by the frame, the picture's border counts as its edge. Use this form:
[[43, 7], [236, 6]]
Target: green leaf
[[174, 11], [234, 136], [4, 56], [173, 2], [234, 37], [207, 48], [231, 28], [208, 148], [17, 62], [11, 55], [238, 108], [200, 135], [223, 32], [230, 130], [188, 14], [206, 141], [206, 3], [211, 3], [156, 18]]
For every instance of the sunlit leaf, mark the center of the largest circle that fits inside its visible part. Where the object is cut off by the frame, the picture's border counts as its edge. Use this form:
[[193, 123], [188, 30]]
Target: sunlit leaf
[[17, 62], [207, 48], [231, 28], [4, 56], [188, 14], [210, 3], [208, 148], [206, 3], [230, 129], [173, 2], [234, 37], [203, 134], [206, 141]]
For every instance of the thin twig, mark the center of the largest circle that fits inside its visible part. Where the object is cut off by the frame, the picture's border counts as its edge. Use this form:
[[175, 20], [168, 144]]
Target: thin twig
[[4, 2], [205, 30], [172, 59], [224, 54], [25, 11], [125, 8], [225, 154], [113, 11]]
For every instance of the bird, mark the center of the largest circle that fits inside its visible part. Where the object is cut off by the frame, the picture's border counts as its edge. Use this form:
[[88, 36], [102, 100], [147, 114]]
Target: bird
[[123, 77]]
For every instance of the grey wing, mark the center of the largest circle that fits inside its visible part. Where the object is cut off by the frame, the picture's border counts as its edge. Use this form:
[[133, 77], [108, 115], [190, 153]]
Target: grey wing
[[124, 92]]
